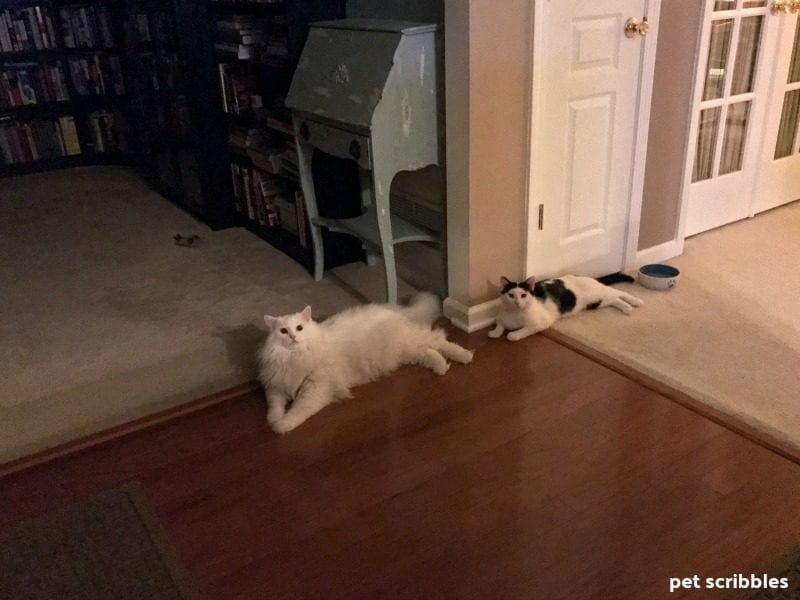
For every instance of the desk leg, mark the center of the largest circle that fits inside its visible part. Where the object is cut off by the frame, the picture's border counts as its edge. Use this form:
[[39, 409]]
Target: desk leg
[[304, 153], [365, 179], [382, 182]]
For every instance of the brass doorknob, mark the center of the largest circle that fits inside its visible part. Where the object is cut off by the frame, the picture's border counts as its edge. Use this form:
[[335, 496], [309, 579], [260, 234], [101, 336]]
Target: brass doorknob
[[634, 27], [785, 7]]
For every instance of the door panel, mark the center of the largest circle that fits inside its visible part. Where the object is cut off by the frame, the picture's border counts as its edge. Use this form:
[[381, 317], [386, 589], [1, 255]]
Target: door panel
[[779, 173], [586, 81]]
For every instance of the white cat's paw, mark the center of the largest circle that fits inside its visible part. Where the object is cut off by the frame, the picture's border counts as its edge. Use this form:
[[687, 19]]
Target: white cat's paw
[[517, 335], [466, 357], [495, 333], [284, 425], [273, 416], [442, 368]]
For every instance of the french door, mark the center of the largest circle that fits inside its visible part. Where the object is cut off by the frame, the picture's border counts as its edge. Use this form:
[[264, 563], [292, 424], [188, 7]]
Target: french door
[[744, 143], [779, 175]]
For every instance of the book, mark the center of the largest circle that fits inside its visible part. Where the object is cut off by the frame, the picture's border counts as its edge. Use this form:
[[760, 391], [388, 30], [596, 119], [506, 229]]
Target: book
[[69, 135]]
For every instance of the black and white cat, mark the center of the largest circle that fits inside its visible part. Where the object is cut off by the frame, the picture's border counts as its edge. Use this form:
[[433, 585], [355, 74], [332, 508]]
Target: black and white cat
[[530, 306]]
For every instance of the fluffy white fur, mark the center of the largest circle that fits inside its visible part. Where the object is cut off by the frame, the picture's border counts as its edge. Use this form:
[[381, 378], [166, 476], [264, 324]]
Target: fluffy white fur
[[312, 364], [522, 314]]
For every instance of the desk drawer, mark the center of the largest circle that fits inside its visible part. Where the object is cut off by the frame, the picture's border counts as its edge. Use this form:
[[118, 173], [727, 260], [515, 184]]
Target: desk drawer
[[338, 142]]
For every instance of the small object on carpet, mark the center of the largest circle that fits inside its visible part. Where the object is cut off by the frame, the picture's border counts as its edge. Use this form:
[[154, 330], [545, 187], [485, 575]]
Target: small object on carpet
[[109, 546], [189, 241]]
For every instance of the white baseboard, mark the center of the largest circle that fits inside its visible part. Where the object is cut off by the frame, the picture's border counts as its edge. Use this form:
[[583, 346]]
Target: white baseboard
[[662, 252], [471, 318]]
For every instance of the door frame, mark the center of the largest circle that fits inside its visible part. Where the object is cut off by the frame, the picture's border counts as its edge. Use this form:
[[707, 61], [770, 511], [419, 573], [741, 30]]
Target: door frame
[[646, 72]]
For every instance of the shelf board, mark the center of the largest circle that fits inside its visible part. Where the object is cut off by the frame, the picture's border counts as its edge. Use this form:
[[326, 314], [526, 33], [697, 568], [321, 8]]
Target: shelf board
[[65, 162], [237, 6], [365, 228], [30, 56], [42, 110]]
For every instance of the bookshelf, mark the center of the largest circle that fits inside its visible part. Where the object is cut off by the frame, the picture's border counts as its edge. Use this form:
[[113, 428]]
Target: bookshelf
[[62, 89], [179, 138], [174, 87], [257, 46]]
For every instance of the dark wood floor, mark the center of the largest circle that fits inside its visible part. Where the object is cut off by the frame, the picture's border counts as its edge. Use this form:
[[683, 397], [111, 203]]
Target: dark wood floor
[[532, 473]]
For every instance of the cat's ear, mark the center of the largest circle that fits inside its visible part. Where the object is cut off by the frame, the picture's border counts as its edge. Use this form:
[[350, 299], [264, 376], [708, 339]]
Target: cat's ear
[[530, 281], [504, 281], [306, 313], [270, 322]]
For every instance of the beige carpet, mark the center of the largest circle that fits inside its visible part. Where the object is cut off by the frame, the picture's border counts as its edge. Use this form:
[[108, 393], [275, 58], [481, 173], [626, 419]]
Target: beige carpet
[[727, 337], [103, 319]]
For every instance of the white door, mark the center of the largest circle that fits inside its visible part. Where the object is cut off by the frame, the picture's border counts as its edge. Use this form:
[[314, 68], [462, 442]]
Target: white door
[[590, 107], [742, 149], [779, 169]]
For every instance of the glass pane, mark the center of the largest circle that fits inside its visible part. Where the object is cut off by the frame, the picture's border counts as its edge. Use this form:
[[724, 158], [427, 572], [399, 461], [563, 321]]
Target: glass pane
[[754, 3], [717, 58], [724, 4], [794, 67], [735, 135], [744, 69], [706, 144], [788, 128]]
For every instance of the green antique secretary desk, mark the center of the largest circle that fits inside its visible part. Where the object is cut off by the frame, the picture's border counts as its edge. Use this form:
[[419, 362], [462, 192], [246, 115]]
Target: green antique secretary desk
[[368, 90]]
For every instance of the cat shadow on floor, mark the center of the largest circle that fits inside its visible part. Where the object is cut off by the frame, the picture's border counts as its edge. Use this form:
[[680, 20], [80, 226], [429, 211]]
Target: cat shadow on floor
[[241, 346]]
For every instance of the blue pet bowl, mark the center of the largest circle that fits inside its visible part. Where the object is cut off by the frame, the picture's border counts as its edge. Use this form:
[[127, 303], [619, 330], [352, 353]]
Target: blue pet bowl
[[659, 277]]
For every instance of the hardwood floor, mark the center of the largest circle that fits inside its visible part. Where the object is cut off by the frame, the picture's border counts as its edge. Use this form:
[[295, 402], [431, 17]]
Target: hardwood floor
[[532, 473]]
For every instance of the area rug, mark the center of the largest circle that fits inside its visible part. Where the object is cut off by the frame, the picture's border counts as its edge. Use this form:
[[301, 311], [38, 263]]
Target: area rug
[[110, 546], [726, 339], [787, 571], [104, 319]]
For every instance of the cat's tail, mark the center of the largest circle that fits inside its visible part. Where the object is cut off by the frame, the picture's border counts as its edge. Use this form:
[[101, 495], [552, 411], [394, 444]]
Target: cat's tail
[[424, 308], [613, 278]]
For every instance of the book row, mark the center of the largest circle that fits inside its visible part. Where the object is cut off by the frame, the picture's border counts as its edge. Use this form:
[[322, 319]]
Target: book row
[[26, 29], [151, 27], [38, 139], [86, 27], [240, 89], [97, 75], [269, 201], [31, 28], [32, 83], [250, 38], [269, 151]]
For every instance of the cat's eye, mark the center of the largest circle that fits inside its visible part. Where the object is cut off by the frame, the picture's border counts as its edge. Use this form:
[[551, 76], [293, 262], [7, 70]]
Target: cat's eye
[[284, 330], [299, 328], [524, 295]]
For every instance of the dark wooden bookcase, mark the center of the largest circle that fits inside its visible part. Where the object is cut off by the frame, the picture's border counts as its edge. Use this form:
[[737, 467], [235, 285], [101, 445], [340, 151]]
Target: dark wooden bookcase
[[180, 137], [177, 127], [78, 107], [284, 223]]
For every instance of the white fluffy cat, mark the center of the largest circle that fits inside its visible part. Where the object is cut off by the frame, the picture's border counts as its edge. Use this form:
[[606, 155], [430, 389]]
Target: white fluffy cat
[[312, 364], [530, 306]]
